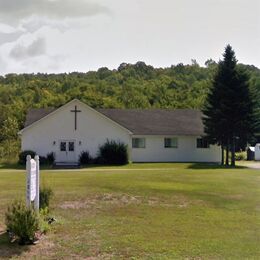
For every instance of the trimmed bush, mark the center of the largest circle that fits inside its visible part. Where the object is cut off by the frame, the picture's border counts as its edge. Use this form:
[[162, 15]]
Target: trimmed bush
[[45, 196], [85, 158], [47, 160], [43, 160], [98, 160], [113, 152], [23, 222], [50, 158], [23, 154]]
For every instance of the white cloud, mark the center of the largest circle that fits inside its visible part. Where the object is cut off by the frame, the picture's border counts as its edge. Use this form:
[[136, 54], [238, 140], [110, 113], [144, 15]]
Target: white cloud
[[85, 34], [44, 63], [13, 11], [36, 48], [3, 65], [9, 37], [20, 17], [34, 23], [5, 28]]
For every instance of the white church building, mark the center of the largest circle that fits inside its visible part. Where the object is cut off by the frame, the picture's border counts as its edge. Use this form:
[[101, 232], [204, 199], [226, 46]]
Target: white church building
[[152, 135]]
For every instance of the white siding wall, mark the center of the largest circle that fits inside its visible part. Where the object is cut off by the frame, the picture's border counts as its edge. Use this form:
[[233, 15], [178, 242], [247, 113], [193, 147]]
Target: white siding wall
[[93, 130], [257, 152], [187, 151]]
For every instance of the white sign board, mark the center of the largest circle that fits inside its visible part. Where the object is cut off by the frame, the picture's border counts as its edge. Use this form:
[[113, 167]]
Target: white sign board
[[32, 181]]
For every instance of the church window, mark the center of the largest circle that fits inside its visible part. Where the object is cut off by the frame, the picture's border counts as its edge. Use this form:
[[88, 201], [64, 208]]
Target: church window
[[63, 146], [171, 142], [138, 142], [202, 143], [71, 146]]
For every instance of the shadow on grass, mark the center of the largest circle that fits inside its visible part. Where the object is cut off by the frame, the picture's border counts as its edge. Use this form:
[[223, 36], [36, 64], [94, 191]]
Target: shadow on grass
[[212, 166], [102, 165], [13, 166], [9, 250], [198, 166], [17, 166]]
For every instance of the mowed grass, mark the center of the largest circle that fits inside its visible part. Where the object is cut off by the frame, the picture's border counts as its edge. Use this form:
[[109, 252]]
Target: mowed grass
[[144, 211]]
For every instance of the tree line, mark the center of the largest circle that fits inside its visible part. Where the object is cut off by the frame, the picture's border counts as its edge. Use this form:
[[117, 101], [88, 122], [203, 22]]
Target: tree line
[[129, 86]]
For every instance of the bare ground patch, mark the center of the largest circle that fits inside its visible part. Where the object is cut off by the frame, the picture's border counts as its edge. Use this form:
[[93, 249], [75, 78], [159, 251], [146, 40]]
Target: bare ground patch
[[121, 200], [234, 196], [44, 247], [13, 250], [227, 196], [106, 198]]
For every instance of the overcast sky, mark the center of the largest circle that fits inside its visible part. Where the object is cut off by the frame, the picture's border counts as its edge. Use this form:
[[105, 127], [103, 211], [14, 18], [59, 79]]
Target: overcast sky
[[81, 35]]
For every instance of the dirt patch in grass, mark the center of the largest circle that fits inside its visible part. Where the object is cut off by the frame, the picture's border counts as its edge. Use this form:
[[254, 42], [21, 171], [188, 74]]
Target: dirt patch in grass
[[155, 202], [101, 256], [2, 229], [176, 201], [119, 199], [13, 250], [124, 199], [227, 196], [44, 247], [74, 205], [234, 196], [103, 198]]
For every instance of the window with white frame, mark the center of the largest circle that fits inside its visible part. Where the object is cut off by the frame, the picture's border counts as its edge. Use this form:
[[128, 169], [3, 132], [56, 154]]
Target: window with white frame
[[202, 143], [138, 142], [171, 142]]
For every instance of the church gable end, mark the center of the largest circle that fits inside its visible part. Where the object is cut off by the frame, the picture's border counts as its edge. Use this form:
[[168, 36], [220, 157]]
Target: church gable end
[[75, 107]]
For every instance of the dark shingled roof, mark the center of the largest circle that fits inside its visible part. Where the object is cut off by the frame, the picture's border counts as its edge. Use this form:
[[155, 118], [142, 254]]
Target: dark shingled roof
[[158, 121], [144, 122], [36, 114]]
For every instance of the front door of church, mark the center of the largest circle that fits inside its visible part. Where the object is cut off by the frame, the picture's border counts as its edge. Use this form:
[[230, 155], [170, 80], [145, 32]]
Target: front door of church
[[67, 151]]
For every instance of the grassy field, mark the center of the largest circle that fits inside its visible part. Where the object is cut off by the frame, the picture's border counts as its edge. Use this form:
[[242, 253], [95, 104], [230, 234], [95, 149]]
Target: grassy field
[[144, 211]]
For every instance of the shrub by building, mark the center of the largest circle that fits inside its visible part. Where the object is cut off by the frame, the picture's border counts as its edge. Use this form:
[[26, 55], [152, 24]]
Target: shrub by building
[[23, 154], [85, 158], [113, 152]]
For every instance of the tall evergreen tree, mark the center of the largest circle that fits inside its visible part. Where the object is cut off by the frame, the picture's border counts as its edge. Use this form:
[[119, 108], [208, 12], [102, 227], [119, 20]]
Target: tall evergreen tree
[[229, 111]]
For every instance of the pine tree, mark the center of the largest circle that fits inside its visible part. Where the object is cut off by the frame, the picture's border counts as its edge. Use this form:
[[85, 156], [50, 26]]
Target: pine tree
[[229, 111]]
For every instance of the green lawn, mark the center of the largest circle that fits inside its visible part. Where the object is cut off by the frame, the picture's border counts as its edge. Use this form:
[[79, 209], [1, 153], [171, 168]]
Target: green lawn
[[144, 211]]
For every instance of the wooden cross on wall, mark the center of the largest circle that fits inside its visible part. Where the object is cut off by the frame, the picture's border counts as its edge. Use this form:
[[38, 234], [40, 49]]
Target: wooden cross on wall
[[75, 111]]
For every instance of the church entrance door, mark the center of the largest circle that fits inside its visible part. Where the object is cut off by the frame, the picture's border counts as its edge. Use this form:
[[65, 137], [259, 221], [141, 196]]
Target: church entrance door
[[67, 151]]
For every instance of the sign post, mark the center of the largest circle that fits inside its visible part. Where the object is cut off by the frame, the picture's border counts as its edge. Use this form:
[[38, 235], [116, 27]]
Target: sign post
[[37, 198], [32, 181]]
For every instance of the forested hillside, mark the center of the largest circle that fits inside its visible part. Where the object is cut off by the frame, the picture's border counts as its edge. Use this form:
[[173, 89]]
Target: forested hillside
[[130, 86]]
